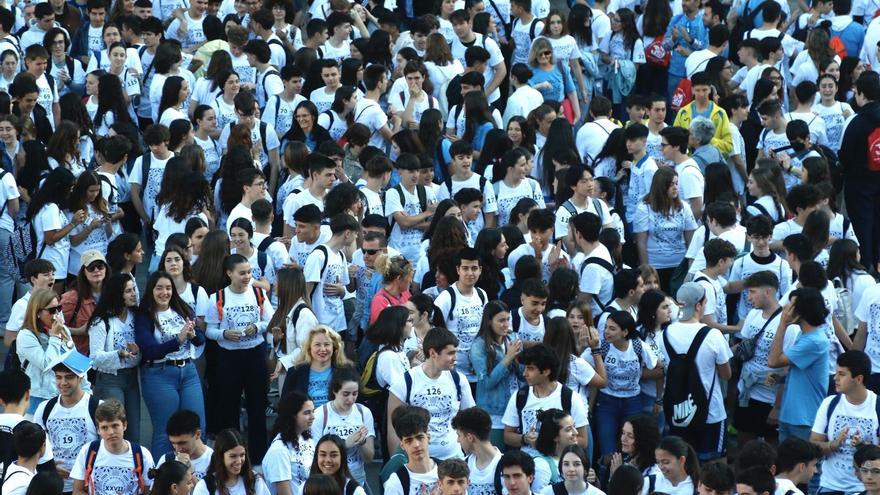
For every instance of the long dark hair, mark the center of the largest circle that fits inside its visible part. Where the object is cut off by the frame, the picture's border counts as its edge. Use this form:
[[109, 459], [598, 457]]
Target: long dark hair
[[124, 243], [112, 302], [842, 261], [647, 437], [225, 441], [237, 158], [170, 93], [208, 269], [658, 13], [111, 99], [186, 196], [577, 20], [290, 288], [148, 305], [628, 27], [56, 189], [169, 473], [679, 448], [186, 270], [388, 328], [648, 305], [559, 337], [343, 473], [559, 137], [549, 430], [491, 279], [476, 113], [486, 334], [285, 423]]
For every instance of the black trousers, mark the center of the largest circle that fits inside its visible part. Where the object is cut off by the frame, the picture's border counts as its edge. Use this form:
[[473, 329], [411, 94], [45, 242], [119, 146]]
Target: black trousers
[[244, 371], [862, 196]]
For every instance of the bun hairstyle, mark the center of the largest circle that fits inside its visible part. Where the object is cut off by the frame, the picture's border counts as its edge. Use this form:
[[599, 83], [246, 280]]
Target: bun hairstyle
[[393, 267], [169, 473]]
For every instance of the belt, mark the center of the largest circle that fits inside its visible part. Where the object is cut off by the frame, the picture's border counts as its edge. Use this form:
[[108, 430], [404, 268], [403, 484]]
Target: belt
[[180, 363]]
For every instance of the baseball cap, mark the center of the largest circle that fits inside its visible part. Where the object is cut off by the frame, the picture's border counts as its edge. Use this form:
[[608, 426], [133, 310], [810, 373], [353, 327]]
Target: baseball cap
[[91, 256], [688, 295]]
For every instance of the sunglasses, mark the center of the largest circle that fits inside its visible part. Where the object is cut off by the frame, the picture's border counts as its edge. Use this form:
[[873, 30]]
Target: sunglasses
[[95, 267], [546, 53], [54, 309], [371, 252]]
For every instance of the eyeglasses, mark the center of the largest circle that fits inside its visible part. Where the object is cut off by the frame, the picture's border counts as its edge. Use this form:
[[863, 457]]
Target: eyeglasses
[[663, 145], [371, 252], [871, 471], [95, 267], [54, 309]]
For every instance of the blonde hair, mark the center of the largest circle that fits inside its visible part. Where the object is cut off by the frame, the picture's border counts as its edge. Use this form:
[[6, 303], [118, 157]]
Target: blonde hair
[[339, 358], [40, 298], [393, 267], [540, 45]]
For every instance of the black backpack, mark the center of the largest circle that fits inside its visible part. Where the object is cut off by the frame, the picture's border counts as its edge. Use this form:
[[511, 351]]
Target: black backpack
[[7, 449], [685, 401], [480, 293], [522, 396], [744, 24]]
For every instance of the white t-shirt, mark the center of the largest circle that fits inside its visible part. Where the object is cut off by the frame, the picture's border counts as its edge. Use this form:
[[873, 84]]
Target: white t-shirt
[[563, 215], [405, 240], [112, 473], [624, 369], [528, 421], [529, 250], [714, 351], [716, 301], [328, 420], [596, 279], [150, 185], [419, 483], [747, 265], [482, 481], [861, 419], [389, 366], [50, 218], [271, 139], [495, 56], [691, 182], [288, 462], [327, 266], [70, 429], [200, 464], [591, 137], [756, 370], [465, 323], [279, 113], [8, 191], [238, 489], [506, 197], [239, 311], [195, 33], [868, 311], [666, 246], [370, 114], [17, 479], [440, 397]]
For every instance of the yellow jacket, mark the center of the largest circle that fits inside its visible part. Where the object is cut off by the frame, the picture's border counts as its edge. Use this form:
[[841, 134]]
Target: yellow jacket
[[722, 140]]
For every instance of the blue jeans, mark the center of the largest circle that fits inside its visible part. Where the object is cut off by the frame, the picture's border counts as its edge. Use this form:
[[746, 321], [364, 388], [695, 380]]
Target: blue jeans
[[788, 430], [648, 408], [168, 389], [124, 387], [610, 413]]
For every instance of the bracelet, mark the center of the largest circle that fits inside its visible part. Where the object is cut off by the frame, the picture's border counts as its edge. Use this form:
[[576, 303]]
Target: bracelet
[[595, 350]]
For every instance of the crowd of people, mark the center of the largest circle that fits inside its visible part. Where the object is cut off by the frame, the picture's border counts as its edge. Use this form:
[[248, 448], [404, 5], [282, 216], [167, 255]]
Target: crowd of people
[[437, 248]]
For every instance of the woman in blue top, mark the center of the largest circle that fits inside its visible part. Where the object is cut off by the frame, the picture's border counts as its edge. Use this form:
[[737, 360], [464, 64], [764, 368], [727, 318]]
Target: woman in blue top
[[478, 120], [493, 356], [166, 335], [320, 355], [551, 79]]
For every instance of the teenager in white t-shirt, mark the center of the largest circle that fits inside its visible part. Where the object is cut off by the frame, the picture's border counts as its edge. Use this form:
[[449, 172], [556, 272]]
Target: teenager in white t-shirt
[[796, 461], [719, 257], [421, 470], [291, 452], [236, 469], [403, 207], [113, 469], [434, 387], [326, 272], [845, 420], [542, 392], [677, 477], [474, 426], [30, 444], [185, 435], [461, 307]]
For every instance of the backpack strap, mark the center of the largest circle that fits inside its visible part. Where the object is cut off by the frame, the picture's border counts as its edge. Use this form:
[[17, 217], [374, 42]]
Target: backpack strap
[[146, 161], [326, 252], [597, 205], [456, 379], [565, 396], [261, 297], [330, 116], [652, 482], [350, 487], [831, 407], [515, 321], [138, 458], [263, 127], [450, 316], [497, 477], [324, 421], [219, 297], [407, 378], [423, 196], [47, 411], [403, 476], [94, 402], [262, 261], [559, 488], [522, 396], [91, 455]]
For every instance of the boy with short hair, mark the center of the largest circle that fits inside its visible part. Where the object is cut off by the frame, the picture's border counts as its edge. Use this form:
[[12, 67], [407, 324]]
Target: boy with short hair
[[580, 180], [702, 105], [323, 97], [737, 108], [867, 464], [656, 123], [147, 171], [719, 257], [474, 427], [338, 45], [462, 154], [419, 474], [641, 167], [721, 223], [30, 445], [261, 22], [796, 461], [237, 37], [413, 101], [68, 418], [409, 207], [41, 275], [279, 110], [322, 175], [540, 223], [845, 420], [470, 202], [756, 480], [111, 155], [36, 59], [802, 200], [263, 216], [111, 464], [597, 269], [541, 392], [188, 29], [152, 33], [185, 435], [517, 472], [253, 187], [326, 272], [461, 306], [773, 139], [691, 183], [87, 39], [307, 233], [437, 386], [245, 111], [268, 83], [15, 398], [377, 173], [454, 477], [760, 258], [716, 478], [528, 321], [800, 136], [636, 109]]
